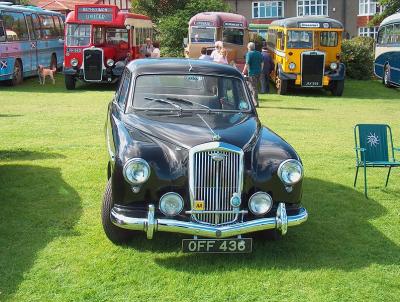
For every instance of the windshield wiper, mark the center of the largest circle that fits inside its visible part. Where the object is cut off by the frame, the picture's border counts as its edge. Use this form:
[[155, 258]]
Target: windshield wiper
[[164, 102], [182, 100]]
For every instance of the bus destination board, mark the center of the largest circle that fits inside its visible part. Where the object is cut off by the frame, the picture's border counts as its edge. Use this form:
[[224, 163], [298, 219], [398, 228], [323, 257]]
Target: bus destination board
[[95, 14]]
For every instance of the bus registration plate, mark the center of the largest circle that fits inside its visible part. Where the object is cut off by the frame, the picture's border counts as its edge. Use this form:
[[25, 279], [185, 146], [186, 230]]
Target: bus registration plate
[[232, 245]]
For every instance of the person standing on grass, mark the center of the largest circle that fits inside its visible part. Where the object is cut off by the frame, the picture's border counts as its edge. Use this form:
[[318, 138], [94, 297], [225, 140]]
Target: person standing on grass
[[156, 50], [266, 71], [215, 55], [253, 67], [204, 55]]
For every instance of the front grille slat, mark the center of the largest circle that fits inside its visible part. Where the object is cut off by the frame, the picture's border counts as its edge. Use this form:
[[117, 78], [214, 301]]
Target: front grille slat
[[215, 181]]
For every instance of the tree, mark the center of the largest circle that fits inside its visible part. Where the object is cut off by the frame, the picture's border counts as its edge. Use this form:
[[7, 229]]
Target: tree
[[172, 17], [389, 8]]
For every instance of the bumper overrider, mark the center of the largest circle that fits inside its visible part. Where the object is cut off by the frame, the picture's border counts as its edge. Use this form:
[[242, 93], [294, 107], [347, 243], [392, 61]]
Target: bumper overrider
[[150, 225]]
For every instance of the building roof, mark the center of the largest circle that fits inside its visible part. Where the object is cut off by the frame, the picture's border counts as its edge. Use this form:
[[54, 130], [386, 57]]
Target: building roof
[[218, 19], [308, 22], [181, 66], [61, 5], [391, 19]]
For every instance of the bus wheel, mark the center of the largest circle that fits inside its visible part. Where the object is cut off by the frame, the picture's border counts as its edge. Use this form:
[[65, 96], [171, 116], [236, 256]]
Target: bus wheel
[[386, 76], [53, 62], [337, 88], [17, 76], [70, 82], [281, 86]]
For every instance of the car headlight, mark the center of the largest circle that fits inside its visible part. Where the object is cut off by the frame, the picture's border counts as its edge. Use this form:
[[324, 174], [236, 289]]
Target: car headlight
[[290, 172], [292, 66], [260, 203], [110, 62], [136, 171], [171, 204], [74, 62], [333, 65]]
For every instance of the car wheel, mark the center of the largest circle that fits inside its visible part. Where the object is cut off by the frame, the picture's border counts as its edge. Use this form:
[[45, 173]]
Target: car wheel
[[281, 86], [337, 88], [53, 62], [17, 77], [70, 82], [386, 76], [115, 234]]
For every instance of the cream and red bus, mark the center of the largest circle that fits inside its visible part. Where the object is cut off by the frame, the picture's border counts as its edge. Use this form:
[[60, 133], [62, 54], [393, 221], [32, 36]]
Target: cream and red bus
[[208, 27], [100, 40]]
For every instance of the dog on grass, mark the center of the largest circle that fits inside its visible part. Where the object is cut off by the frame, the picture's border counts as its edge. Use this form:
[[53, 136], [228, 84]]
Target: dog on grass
[[44, 72]]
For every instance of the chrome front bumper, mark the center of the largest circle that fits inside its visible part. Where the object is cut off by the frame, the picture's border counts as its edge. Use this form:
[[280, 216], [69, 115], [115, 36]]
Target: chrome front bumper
[[150, 225]]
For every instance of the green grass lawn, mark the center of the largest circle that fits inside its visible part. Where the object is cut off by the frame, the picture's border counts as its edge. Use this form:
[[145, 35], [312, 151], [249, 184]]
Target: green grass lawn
[[53, 173]]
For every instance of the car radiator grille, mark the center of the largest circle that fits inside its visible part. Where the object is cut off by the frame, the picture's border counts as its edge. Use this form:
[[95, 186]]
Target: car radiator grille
[[312, 69], [214, 183], [93, 64]]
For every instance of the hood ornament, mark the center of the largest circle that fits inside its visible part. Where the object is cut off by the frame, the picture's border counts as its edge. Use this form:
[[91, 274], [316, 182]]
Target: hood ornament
[[216, 137]]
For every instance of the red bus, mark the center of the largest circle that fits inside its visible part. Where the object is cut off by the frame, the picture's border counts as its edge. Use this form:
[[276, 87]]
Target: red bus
[[100, 40]]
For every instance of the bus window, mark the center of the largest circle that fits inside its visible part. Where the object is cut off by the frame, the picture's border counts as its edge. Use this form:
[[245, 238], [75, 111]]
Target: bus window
[[116, 36], [61, 25], [233, 35], [36, 26], [300, 39], [2, 32], [15, 26], [396, 33], [58, 26], [29, 22], [271, 38], [48, 28], [78, 34], [328, 38], [98, 38], [202, 34], [280, 41]]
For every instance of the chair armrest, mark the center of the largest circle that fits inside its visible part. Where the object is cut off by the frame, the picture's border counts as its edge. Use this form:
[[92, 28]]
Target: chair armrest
[[361, 149]]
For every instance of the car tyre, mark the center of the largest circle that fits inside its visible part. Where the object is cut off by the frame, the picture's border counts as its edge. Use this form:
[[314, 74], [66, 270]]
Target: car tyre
[[17, 77], [386, 76], [281, 86], [337, 88], [115, 234], [70, 82]]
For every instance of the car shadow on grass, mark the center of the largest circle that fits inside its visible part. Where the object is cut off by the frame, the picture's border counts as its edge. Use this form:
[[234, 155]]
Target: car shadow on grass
[[36, 206], [23, 154], [338, 235]]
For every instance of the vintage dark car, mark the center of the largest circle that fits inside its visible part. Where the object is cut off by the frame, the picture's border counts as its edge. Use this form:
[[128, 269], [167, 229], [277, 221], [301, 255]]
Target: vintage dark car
[[188, 154]]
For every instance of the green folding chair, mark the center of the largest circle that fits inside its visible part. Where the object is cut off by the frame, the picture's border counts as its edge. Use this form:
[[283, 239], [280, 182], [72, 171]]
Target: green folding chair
[[373, 150]]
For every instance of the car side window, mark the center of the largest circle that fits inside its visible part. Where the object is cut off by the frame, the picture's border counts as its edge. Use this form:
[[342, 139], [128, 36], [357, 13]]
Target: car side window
[[123, 90]]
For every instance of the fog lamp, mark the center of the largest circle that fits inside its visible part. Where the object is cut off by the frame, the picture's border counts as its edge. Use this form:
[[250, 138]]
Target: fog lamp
[[136, 171], [110, 62], [171, 204], [290, 172], [333, 65], [74, 62], [260, 203], [292, 66]]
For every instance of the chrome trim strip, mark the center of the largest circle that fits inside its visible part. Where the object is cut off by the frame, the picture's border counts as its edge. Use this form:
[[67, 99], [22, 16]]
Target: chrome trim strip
[[151, 225]]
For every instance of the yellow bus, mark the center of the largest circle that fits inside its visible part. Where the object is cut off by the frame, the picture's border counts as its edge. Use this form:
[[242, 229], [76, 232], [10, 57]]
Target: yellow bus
[[306, 52]]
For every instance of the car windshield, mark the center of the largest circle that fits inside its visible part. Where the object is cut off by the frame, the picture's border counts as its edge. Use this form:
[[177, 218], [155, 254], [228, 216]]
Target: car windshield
[[202, 35], [189, 93], [300, 39]]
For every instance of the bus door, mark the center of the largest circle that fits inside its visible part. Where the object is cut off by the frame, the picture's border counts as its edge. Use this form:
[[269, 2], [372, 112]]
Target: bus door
[[33, 39]]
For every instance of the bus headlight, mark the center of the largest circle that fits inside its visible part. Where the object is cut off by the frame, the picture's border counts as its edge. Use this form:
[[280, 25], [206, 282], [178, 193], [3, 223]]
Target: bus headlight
[[171, 204], [110, 62], [136, 171], [290, 172], [292, 66], [74, 62], [260, 203], [333, 65]]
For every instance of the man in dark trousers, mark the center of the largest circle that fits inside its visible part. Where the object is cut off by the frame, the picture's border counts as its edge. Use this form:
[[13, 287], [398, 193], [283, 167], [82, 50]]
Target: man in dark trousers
[[254, 66], [267, 69]]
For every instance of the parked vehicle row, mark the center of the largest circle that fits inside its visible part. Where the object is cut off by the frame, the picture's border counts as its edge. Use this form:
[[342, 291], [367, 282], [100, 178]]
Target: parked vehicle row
[[29, 36]]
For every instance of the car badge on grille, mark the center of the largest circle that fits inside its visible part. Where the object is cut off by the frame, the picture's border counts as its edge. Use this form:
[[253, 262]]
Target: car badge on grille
[[216, 137], [217, 156]]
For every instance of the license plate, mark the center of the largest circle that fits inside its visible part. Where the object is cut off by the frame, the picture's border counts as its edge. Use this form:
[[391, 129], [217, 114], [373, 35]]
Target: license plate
[[236, 245]]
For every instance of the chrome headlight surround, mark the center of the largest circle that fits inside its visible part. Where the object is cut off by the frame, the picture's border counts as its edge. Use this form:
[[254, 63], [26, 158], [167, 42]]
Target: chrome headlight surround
[[171, 204], [110, 62], [260, 203], [133, 166], [292, 66], [333, 65], [74, 62], [290, 172]]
